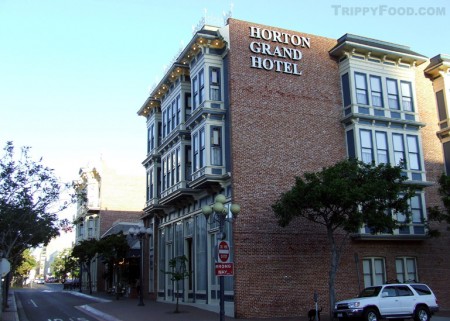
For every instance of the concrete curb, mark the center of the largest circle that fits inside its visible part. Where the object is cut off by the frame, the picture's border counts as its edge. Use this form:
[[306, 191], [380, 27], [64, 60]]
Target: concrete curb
[[90, 297]]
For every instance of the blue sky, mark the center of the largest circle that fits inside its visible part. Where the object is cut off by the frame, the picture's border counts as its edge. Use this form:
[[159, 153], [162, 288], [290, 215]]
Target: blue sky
[[73, 73]]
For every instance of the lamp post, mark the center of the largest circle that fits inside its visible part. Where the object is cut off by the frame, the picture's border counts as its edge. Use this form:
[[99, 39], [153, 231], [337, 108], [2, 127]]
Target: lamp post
[[220, 212], [140, 233]]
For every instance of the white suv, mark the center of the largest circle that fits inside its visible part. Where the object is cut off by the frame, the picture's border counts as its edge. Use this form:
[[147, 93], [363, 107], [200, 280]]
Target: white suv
[[390, 301]]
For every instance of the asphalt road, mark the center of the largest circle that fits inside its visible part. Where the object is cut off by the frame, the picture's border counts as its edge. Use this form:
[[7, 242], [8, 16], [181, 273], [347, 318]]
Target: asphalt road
[[48, 303]]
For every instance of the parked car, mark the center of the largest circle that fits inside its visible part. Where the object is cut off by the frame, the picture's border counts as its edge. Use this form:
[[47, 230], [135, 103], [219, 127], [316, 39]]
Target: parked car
[[389, 301], [39, 281], [52, 279]]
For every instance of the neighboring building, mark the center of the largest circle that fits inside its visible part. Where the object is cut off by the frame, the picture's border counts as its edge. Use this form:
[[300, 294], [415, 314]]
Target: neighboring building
[[106, 194], [42, 259], [243, 110]]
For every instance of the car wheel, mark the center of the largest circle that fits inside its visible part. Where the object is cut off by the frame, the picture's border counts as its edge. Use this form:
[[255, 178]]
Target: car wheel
[[371, 315], [421, 314]]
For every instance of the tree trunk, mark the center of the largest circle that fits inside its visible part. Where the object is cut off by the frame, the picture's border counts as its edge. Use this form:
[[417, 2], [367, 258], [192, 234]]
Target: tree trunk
[[334, 263], [89, 277]]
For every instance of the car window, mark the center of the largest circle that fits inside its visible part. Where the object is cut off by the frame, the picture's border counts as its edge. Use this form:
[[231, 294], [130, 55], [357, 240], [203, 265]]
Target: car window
[[403, 290], [389, 291], [368, 292], [422, 289]]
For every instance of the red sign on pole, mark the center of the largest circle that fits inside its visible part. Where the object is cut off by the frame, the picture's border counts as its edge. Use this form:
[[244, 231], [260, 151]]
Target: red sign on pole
[[224, 269], [223, 252]]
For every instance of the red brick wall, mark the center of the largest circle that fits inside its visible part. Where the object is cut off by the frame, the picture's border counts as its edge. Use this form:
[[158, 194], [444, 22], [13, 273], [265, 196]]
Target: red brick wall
[[107, 218], [282, 126]]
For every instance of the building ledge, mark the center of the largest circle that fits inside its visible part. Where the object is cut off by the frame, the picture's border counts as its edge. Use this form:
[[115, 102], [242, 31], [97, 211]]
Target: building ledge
[[389, 237]]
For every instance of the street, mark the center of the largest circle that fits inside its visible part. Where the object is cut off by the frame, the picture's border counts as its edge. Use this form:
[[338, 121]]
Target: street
[[47, 302]]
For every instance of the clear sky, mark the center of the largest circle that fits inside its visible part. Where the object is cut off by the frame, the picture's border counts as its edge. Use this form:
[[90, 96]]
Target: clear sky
[[73, 73]]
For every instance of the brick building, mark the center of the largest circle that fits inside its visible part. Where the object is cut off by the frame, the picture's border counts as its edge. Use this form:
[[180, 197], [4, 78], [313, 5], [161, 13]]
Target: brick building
[[243, 110], [108, 194]]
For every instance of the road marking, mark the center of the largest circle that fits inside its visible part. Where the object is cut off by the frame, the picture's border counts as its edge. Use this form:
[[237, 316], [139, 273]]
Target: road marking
[[34, 304]]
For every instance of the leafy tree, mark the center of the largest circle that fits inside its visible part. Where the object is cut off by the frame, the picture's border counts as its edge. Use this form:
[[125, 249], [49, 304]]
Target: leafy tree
[[112, 249], [28, 262], [178, 273], [441, 214], [342, 198], [64, 263], [29, 203], [85, 252]]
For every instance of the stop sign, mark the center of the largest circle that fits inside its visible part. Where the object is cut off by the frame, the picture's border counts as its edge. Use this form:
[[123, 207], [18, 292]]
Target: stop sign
[[223, 252]]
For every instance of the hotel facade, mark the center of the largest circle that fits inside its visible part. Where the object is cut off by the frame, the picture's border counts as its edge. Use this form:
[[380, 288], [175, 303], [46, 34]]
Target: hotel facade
[[242, 111]]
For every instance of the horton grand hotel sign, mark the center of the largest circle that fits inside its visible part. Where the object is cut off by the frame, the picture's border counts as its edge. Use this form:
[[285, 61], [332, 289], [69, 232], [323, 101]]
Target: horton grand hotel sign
[[278, 55]]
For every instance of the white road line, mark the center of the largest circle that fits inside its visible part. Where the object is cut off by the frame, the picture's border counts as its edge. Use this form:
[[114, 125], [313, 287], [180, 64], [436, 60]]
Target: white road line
[[32, 302]]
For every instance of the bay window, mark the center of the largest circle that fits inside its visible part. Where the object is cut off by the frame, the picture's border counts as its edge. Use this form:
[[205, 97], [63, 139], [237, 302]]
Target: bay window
[[392, 91], [382, 147], [376, 93], [361, 89], [199, 156], [214, 83], [216, 148], [366, 146], [399, 149], [407, 100]]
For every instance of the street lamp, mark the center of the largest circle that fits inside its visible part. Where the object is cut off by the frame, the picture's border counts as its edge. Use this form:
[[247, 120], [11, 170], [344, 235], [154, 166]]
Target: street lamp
[[220, 215], [140, 233]]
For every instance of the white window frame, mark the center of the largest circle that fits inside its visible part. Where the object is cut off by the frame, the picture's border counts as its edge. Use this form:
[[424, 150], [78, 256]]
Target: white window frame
[[374, 271], [405, 267]]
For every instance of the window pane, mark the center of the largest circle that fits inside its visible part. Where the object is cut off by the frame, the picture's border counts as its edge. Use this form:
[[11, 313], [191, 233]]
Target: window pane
[[382, 150], [400, 270], [201, 80], [411, 269], [202, 148], [366, 146], [379, 271], [361, 89], [399, 154], [392, 93], [376, 91], [413, 153], [406, 96], [416, 209], [367, 271]]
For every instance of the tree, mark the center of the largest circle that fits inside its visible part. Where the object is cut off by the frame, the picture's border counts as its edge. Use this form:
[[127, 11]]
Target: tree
[[437, 214], [85, 252], [28, 262], [63, 264], [344, 197], [178, 273], [29, 203], [112, 249]]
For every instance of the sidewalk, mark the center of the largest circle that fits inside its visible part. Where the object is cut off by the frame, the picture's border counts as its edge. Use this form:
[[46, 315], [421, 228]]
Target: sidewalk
[[110, 309], [10, 313]]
